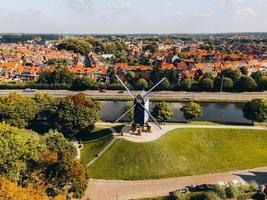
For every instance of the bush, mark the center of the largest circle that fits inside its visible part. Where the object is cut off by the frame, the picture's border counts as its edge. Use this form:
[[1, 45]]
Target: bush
[[192, 111], [230, 191], [162, 111], [220, 191]]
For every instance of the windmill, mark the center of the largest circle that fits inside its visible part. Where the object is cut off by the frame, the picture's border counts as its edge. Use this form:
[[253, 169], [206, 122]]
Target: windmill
[[140, 107]]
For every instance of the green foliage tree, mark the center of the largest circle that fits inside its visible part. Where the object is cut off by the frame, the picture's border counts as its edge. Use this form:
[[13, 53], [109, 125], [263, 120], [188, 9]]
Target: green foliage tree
[[227, 84], [255, 110], [130, 76], [76, 114], [262, 83], [246, 84], [162, 111], [19, 149], [257, 75], [127, 106], [192, 111], [59, 76], [84, 83], [207, 75], [206, 84], [142, 84], [186, 84], [78, 45], [17, 110], [152, 47], [232, 74]]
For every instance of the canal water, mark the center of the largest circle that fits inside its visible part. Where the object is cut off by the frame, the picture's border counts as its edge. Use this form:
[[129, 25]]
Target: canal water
[[214, 112]]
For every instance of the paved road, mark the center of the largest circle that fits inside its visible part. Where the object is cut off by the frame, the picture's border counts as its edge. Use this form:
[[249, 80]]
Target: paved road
[[122, 190], [166, 94]]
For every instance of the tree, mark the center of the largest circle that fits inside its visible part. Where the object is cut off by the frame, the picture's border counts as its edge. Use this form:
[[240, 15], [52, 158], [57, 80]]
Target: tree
[[84, 83], [257, 75], [17, 110], [186, 84], [244, 70], [246, 84], [60, 158], [262, 83], [130, 76], [129, 105], [192, 111], [142, 84], [19, 149], [58, 76], [232, 74], [152, 47], [206, 84], [10, 190], [227, 84], [78, 45], [162, 111], [255, 110], [76, 114], [207, 75]]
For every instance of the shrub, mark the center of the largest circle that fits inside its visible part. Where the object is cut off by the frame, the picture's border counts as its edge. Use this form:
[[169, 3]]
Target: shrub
[[230, 191]]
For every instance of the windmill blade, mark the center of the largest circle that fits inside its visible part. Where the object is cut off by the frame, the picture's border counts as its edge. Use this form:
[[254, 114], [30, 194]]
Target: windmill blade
[[125, 86], [151, 116], [125, 113], [154, 87]]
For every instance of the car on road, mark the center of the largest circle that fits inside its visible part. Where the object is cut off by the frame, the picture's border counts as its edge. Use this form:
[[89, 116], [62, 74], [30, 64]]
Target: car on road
[[102, 91], [29, 90]]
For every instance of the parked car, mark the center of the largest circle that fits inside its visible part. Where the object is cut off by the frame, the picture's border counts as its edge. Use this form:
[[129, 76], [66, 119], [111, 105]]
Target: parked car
[[204, 188]]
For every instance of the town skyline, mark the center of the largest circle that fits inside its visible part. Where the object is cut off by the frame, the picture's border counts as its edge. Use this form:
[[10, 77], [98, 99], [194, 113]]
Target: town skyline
[[132, 17]]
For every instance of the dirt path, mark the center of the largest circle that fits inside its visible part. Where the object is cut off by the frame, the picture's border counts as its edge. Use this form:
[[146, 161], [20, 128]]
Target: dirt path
[[122, 190]]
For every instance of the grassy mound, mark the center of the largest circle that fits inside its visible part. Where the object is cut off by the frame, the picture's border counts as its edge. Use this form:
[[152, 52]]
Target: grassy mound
[[183, 152]]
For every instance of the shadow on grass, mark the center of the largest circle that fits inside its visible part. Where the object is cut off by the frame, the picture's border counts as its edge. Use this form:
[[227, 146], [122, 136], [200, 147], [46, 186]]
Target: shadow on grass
[[97, 134], [258, 177]]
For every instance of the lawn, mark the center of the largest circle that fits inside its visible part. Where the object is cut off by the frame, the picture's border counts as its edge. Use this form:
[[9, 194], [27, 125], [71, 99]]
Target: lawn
[[93, 143], [182, 152]]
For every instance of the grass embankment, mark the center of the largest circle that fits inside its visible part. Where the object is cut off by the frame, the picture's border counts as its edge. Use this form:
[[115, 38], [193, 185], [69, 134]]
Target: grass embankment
[[183, 152], [95, 141]]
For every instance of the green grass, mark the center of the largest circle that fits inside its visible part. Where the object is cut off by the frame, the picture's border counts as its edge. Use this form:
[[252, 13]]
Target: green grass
[[183, 152], [93, 143]]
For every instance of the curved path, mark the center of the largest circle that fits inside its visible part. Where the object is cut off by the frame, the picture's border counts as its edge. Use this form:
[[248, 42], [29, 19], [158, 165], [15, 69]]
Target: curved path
[[157, 133], [125, 190]]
